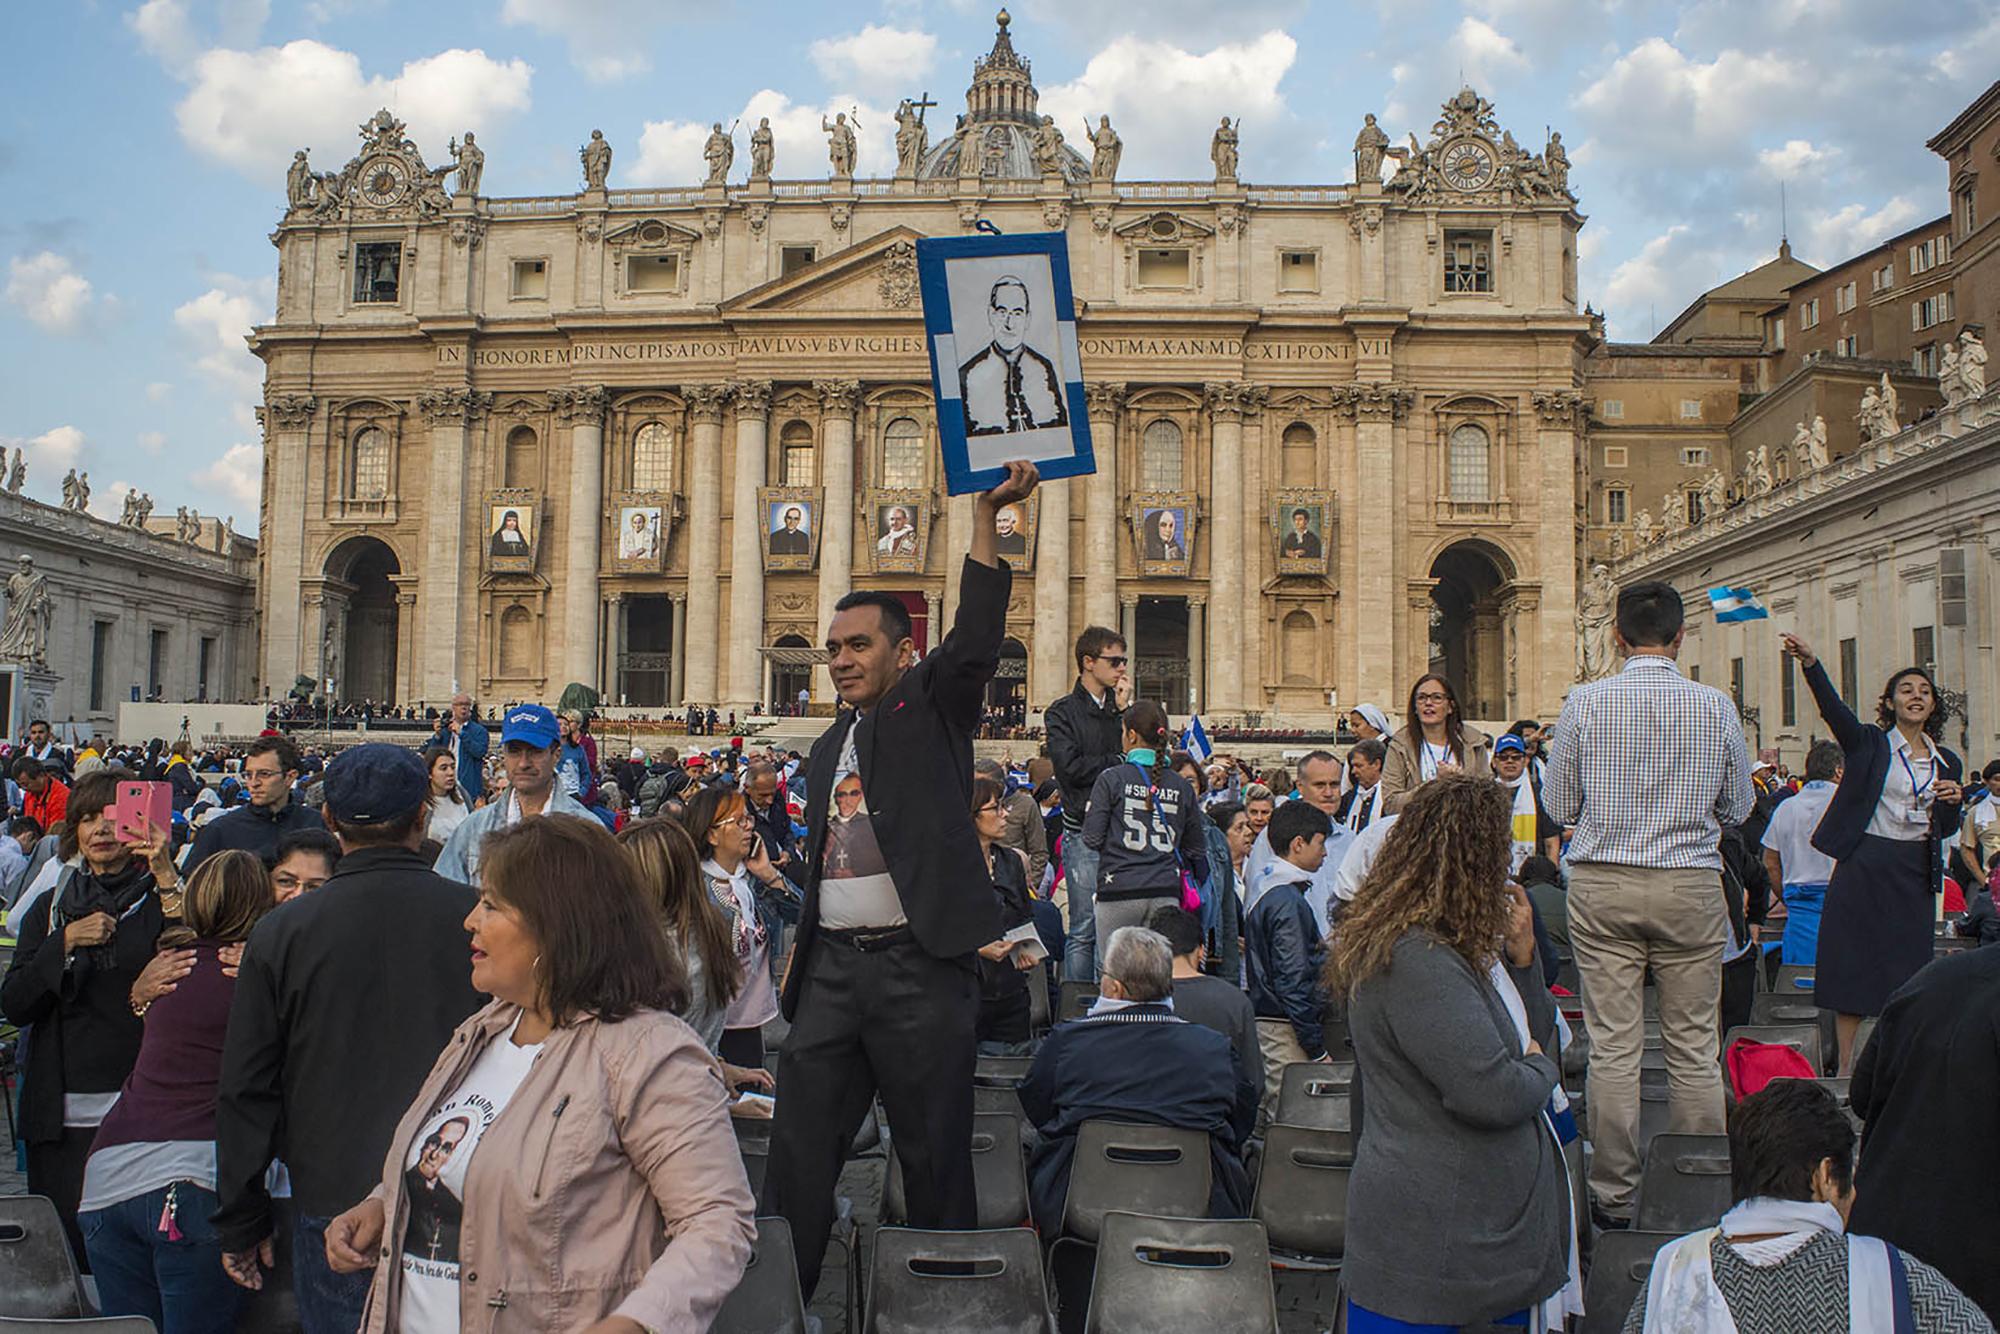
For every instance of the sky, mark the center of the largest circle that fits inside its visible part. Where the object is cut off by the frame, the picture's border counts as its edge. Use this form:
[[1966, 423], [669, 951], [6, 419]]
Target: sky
[[143, 144]]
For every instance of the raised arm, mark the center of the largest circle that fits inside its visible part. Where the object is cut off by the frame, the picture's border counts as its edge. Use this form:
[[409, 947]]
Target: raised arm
[[1852, 734], [964, 662]]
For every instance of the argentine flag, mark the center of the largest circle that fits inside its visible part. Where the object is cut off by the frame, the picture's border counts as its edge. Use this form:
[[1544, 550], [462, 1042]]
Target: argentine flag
[[1195, 741], [1736, 604]]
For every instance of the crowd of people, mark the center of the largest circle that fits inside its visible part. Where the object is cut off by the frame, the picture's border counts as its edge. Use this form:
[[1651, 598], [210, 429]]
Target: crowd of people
[[425, 1031]]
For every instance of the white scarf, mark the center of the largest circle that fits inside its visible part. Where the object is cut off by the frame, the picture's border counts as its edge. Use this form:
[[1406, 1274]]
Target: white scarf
[[1526, 819], [1681, 1296], [1568, 1299], [1363, 804]]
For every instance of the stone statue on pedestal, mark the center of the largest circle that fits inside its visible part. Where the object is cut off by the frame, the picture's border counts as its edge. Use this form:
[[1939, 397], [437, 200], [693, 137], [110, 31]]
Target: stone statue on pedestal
[[1642, 529], [1674, 513], [720, 154], [1555, 162], [1817, 455], [1714, 495], [841, 148], [1878, 414], [24, 634], [1948, 382], [128, 514], [1596, 604], [301, 186], [1891, 416], [1761, 480], [1222, 149], [1106, 149], [1048, 147], [145, 508], [596, 157], [761, 151], [1369, 145], [1971, 366], [17, 475], [912, 139], [471, 159]]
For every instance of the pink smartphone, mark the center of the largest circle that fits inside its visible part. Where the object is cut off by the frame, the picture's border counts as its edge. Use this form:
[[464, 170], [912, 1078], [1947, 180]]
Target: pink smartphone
[[138, 803]]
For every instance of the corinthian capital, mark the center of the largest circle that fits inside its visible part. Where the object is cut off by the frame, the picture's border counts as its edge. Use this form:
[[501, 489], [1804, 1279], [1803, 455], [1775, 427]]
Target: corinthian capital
[[839, 397], [705, 401], [581, 404], [443, 407], [753, 397], [289, 412], [1559, 407], [1373, 402], [1104, 398]]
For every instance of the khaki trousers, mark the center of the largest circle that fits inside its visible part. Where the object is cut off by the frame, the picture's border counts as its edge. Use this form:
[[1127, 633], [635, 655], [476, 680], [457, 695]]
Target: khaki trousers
[[1280, 1046], [1623, 921]]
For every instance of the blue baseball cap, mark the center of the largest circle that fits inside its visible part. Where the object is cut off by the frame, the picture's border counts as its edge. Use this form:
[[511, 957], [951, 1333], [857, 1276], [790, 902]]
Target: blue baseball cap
[[532, 724], [375, 783], [1510, 742]]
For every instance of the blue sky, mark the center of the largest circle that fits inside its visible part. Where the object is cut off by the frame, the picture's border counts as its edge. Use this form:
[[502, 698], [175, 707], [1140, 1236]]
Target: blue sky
[[143, 144]]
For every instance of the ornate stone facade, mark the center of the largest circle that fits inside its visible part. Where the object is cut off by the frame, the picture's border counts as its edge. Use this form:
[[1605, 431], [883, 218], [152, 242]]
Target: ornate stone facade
[[1401, 361]]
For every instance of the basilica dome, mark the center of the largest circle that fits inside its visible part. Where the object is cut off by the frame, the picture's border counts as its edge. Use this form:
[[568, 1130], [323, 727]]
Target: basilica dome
[[1000, 125]]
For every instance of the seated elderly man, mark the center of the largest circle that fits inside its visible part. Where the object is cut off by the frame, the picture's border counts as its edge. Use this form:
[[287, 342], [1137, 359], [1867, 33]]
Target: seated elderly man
[[1130, 1059]]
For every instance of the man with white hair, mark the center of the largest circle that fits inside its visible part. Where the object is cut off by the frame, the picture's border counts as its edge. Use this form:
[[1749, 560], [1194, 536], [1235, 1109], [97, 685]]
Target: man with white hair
[[1108, 1066], [460, 732]]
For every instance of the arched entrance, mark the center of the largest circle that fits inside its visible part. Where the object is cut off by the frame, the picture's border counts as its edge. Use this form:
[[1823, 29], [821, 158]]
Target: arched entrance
[[361, 618], [790, 675], [1466, 644], [1008, 691]]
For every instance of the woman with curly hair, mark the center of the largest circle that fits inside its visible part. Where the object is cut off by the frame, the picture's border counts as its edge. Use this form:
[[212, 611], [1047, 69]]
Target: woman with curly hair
[[1885, 828], [1458, 1209]]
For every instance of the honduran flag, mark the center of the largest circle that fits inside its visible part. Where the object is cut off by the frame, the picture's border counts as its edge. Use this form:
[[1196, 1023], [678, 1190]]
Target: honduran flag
[[1195, 741], [1736, 604]]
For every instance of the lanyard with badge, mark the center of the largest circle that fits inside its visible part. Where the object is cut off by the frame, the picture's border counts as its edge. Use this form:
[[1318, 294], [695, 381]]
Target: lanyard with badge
[[1919, 812]]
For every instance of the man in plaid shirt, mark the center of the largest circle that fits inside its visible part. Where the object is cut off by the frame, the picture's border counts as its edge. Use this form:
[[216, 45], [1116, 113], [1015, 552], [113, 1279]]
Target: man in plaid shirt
[[1648, 766]]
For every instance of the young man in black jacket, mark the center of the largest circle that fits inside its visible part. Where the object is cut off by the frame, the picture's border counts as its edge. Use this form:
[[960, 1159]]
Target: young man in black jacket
[[1085, 729], [345, 999], [883, 990], [1283, 951]]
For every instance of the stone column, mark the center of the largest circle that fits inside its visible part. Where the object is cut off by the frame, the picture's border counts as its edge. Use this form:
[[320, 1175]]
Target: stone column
[[450, 413], [1100, 513], [746, 548], [934, 605], [1379, 677], [838, 399], [677, 659], [1198, 698], [1548, 617], [281, 537], [1051, 664], [1128, 626], [583, 408], [1225, 548], [1257, 554], [957, 541], [704, 601], [409, 671]]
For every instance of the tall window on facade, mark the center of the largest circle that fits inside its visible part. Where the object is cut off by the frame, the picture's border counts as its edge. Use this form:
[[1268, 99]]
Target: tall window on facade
[[1615, 503], [903, 453], [1469, 465], [517, 642], [1298, 648], [653, 458], [100, 665], [378, 267], [156, 664], [1298, 464], [1850, 670], [1468, 261], [1160, 457], [795, 454], [520, 462], [371, 464]]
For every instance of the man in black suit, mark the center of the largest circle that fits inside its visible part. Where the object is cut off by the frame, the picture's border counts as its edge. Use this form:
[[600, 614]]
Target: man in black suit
[[791, 540], [883, 991], [1302, 542]]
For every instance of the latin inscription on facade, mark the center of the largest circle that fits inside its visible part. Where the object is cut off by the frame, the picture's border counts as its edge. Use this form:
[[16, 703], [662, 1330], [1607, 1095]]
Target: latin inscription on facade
[[666, 351]]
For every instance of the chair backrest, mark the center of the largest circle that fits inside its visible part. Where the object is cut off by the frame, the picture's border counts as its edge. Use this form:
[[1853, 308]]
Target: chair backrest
[[1776, 1007], [1316, 1093], [1684, 1185], [753, 1141], [999, 1174], [766, 1300], [103, 1324], [1041, 1011], [1795, 981], [998, 1099], [1302, 1189], [1619, 1267], [921, 1282], [1803, 1038], [1075, 1000], [1141, 1169], [38, 1275], [1153, 1274], [1001, 1070]]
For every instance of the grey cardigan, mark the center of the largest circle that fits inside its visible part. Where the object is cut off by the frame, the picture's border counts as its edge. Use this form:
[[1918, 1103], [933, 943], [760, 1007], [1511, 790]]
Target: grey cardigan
[[1456, 1208]]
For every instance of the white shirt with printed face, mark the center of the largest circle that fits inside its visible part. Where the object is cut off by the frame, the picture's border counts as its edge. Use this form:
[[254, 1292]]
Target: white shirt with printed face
[[856, 890]]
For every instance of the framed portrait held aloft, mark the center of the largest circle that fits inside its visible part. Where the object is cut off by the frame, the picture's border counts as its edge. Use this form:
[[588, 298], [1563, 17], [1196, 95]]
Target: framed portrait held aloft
[[513, 518], [640, 525], [899, 528], [1017, 526], [1163, 531], [1302, 525], [791, 519], [1001, 324]]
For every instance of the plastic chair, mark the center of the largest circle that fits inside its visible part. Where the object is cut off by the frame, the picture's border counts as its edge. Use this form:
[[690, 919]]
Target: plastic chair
[[999, 1175], [1795, 980], [753, 1141], [1153, 1274], [992, 1099], [1159, 1170], [1316, 1093], [103, 1324], [1302, 1193], [1075, 1000], [1041, 1012], [38, 1276], [1620, 1267], [1779, 1008], [1802, 1038], [1655, 1112], [1684, 1185], [974, 1282], [1001, 1070], [766, 1300]]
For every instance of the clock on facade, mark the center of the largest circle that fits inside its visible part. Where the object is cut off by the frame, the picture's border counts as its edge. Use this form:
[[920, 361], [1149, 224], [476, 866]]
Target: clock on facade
[[384, 181], [1467, 165]]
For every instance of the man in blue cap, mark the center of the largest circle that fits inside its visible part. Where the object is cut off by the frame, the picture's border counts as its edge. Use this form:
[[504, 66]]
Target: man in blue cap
[[530, 745], [335, 1022]]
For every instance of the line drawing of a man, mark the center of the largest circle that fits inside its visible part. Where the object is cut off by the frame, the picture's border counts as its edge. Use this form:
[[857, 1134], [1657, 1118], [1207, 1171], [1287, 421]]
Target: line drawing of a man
[[792, 539], [1302, 542], [899, 535], [1008, 386]]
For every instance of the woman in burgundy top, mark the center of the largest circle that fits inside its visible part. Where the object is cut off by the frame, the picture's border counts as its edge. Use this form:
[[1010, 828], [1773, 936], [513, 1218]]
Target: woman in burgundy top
[[149, 1187]]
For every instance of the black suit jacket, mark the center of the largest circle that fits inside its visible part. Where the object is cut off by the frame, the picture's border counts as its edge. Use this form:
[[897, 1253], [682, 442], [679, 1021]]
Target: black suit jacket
[[915, 749], [1866, 749]]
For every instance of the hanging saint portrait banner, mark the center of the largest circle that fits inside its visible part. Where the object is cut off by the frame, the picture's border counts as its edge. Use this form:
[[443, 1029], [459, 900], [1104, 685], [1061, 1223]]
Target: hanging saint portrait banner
[[1001, 324]]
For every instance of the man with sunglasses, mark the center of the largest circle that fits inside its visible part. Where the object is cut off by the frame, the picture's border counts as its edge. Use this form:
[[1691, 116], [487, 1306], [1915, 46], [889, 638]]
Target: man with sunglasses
[[1085, 731]]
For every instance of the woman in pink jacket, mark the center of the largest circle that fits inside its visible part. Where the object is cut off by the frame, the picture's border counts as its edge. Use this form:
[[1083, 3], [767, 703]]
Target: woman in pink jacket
[[569, 1164]]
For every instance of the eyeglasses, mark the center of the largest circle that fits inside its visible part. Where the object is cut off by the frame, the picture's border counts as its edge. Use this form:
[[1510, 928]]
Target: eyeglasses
[[741, 822], [1433, 699], [261, 775], [988, 809]]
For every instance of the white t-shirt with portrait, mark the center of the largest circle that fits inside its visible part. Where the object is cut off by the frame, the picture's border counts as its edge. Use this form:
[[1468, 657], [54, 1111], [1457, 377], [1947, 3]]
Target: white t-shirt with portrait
[[434, 1180], [855, 888]]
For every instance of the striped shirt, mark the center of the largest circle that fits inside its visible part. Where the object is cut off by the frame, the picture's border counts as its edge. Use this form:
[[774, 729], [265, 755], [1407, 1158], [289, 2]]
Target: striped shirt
[[1649, 766]]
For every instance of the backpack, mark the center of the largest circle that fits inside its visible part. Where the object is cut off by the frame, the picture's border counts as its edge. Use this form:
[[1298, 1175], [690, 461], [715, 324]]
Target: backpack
[[1752, 1064]]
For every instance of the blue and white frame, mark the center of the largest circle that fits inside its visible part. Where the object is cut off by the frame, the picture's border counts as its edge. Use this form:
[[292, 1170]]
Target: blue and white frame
[[1000, 320]]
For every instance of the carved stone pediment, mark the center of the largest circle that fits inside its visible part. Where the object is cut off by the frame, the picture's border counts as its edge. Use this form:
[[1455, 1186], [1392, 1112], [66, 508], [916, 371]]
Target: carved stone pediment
[[642, 235], [878, 274], [1164, 227]]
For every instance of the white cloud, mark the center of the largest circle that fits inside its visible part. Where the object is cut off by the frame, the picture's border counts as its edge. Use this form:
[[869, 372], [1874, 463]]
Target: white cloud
[[48, 291], [1657, 108], [51, 454], [670, 150], [164, 31], [159, 391], [152, 441], [1195, 22], [217, 322], [1796, 158], [1485, 52], [108, 502], [237, 475], [251, 109], [1830, 238], [1651, 287], [876, 54], [605, 37], [1165, 101]]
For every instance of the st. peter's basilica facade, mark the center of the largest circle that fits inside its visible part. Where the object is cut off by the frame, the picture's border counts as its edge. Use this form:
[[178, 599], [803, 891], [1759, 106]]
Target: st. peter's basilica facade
[[642, 439]]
